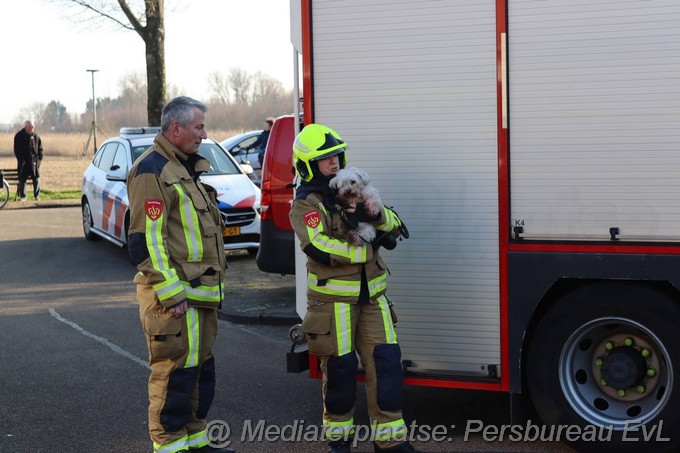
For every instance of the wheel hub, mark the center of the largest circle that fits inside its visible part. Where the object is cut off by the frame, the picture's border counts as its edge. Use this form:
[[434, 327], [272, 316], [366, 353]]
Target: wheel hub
[[624, 367]]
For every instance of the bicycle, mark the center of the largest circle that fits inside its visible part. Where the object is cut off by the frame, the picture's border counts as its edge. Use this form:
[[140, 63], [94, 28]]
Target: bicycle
[[4, 191]]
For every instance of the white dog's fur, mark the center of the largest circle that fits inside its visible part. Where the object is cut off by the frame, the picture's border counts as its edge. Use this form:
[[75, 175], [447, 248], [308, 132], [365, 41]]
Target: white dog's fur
[[353, 184]]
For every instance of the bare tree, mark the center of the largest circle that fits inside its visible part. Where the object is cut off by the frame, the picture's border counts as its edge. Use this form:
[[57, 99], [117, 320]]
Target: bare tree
[[241, 101], [265, 87], [150, 26], [34, 112], [219, 87], [132, 88], [239, 82]]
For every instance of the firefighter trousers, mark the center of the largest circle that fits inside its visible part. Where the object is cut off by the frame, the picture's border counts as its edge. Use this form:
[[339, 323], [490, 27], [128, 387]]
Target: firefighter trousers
[[182, 381], [336, 332]]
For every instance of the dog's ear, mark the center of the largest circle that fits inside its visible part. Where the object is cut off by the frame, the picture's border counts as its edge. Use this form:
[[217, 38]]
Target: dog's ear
[[363, 176]]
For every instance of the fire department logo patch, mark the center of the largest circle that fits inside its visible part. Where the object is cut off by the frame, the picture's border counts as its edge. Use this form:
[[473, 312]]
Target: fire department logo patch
[[153, 208], [313, 219]]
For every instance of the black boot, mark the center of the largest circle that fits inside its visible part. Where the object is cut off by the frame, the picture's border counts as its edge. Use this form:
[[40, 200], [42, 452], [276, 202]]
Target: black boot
[[339, 446], [401, 448], [209, 449]]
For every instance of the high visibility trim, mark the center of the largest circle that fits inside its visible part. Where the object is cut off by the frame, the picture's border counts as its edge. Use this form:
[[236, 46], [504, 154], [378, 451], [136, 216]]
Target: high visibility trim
[[391, 222], [349, 288], [169, 288], [339, 430], [389, 431], [388, 322], [193, 334], [343, 327], [159, 260], [190, 226], [180, 444], [354, 253], [203, 293], [377, 285], [199, 439]]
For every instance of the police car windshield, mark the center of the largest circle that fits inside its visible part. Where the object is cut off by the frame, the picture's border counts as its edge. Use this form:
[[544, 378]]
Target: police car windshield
[[220, 164]]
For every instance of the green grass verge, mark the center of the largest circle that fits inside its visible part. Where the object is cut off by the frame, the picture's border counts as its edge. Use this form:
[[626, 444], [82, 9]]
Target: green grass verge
[[59, 195]]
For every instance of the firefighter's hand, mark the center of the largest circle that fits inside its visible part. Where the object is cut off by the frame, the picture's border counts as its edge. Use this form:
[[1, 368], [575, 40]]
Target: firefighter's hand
[[178, 310], [363, 216]]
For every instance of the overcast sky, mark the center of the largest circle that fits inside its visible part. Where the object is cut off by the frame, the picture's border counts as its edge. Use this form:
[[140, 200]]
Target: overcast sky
[[46, 53]]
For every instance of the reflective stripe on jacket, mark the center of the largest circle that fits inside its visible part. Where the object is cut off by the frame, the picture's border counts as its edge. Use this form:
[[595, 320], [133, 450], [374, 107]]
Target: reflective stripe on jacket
[[175, 235], [333, 264]]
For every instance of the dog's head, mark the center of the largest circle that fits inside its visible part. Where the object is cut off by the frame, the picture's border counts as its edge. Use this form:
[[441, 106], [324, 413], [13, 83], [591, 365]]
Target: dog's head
[[349, 182]]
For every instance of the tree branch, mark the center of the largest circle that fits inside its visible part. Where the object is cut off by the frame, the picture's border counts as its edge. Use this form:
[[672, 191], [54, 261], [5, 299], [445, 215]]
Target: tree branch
[[139, 28], [87, 6]]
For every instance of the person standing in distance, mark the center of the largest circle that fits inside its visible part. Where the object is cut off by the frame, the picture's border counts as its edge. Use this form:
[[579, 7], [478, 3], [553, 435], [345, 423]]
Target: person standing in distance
[[261, 143], [29, 153], [347, 310], [175, 240]]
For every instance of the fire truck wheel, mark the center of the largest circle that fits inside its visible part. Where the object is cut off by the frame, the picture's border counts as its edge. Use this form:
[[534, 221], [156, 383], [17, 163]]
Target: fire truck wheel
[[606, 358]]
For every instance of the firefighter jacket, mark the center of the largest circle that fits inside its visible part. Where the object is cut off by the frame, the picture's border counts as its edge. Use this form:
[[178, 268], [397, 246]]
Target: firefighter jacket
[[175, 235], [334, 266]]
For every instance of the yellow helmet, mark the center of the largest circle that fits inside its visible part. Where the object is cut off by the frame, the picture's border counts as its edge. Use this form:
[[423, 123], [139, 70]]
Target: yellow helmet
[[313, 143]]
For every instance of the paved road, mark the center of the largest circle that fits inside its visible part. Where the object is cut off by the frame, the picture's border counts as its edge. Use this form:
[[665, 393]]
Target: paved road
[[73, 375]]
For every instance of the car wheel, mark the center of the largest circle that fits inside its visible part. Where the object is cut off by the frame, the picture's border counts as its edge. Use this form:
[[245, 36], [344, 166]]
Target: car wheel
[[605, 356], [87, 222], [252, 251]]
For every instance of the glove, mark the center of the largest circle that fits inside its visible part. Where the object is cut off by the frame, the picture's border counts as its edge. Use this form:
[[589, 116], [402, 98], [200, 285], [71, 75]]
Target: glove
[[384, 239], [350, 219], [363, 216]]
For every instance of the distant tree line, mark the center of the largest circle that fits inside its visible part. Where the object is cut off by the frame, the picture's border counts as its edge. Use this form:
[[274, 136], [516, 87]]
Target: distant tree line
[[238, 100]]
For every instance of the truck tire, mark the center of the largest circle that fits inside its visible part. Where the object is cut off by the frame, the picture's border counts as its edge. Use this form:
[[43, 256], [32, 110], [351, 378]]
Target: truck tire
[[606, 355]]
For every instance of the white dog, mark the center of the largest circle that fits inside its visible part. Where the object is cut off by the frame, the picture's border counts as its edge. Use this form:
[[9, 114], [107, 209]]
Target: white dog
[[353, 185]]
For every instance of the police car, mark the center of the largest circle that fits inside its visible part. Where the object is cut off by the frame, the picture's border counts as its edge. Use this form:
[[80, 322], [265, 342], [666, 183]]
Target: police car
[[104, 199]]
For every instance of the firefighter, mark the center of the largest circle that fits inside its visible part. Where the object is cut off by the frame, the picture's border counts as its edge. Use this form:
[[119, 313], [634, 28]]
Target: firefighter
[[175, 240], [347, 309]]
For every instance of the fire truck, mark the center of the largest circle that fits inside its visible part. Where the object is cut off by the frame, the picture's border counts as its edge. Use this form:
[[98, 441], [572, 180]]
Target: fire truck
[[533, 150]]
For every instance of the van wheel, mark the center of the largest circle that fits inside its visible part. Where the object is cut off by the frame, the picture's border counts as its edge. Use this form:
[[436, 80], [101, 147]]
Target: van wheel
[[605, 356], [88, 222]]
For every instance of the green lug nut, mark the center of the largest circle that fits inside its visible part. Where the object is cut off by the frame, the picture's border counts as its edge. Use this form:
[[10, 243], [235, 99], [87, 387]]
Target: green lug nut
[[599, 362], [609, 346], [651, 372], [621, 392], [640, 389], [646, 353], [603, 382], [628, 341]]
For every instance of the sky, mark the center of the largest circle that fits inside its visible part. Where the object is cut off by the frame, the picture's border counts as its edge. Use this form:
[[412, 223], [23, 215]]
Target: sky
[[46, 52]]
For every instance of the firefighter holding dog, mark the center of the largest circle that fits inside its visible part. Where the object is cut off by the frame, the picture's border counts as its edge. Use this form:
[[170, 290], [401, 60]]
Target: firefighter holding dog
[[175, 240], [347, 310]]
